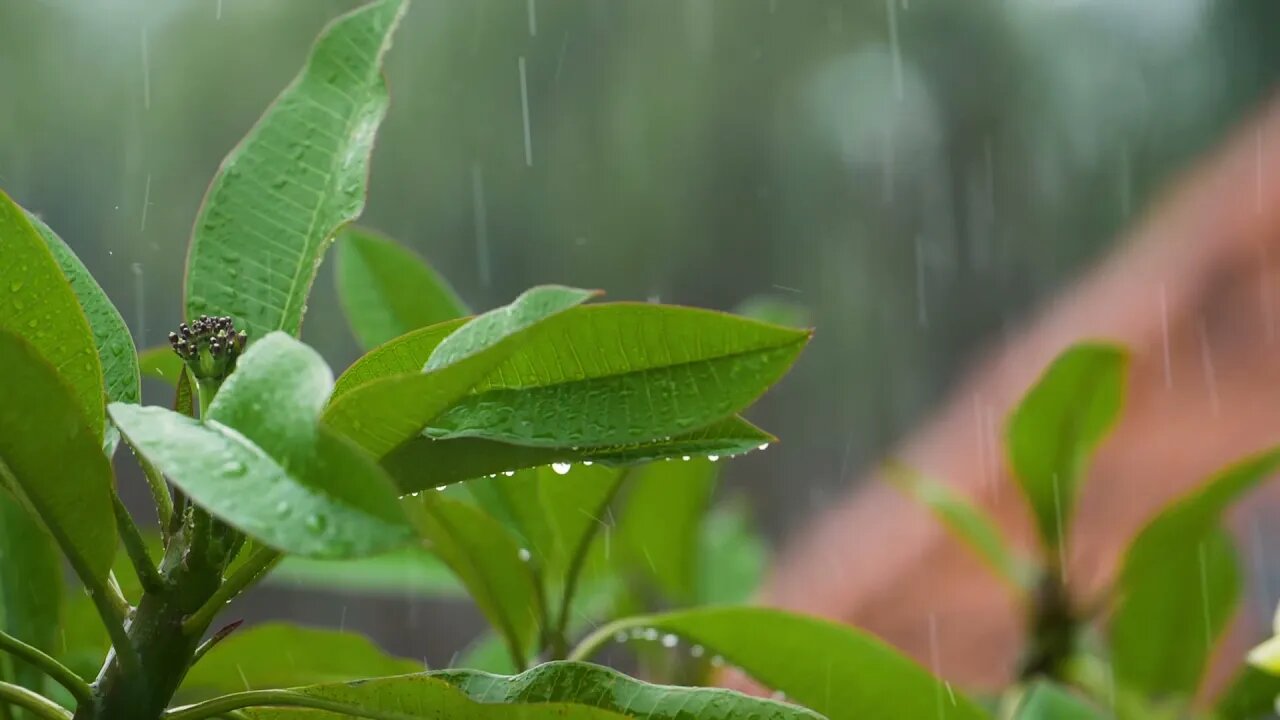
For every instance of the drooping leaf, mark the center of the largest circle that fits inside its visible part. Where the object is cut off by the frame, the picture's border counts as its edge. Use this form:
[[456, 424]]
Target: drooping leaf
[[659, 522], [488, 562], [295, 179], [262, 463], [608, 689], [1179, 584], [733, 556], [161, 363], [381, 414], [409, 571], [278, 655], [423, 462], [1046, 701], [834, 669], [40, 307], [621, 373], [1055, 429], [51, 458], [386, 290], [405, 355], [30, 586], [967, 523], [1250, 696], [116, 352]]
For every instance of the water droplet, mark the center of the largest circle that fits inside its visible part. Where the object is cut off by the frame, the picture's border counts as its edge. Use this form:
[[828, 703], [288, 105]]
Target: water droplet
[[651, 634], [33, 322], [440, 488], [587, 463], [713, 458], [696, 651], [317, 523], [670, 641], [717, 661], [620, 637], [685, 458], [508, 473], [233, 468], [778, 695], [282, 508], [16, 285], [524, 554], [561, 468], [763, 446]]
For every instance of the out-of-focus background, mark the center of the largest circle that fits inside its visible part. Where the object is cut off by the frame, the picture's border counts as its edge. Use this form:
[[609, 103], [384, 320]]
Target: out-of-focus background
[[916, 173]]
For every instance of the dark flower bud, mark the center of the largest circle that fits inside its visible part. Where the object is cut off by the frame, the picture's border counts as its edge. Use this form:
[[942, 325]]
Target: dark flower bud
[[209, 345]]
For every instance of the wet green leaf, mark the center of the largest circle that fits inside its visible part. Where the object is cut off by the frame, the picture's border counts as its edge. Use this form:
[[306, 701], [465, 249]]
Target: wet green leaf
[[386, 290], [1052, 433], [39, 306], [405, 355], [30, 586], [659, 523], [51, 458], [1179, 584], [295, 179]]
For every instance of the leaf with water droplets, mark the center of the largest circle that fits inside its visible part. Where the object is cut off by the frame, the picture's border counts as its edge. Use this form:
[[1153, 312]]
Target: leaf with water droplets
[[386, 290], [295, 179], [405, 355], [51, 459], [116, 351], [38, 304], [837, 670]]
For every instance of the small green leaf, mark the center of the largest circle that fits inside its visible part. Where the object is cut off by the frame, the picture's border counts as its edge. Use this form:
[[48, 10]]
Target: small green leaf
[[38, 304], [262, 462], [381, 414], [488, 562], [161, 363], [1045, 701], [386, 290], [834, 669], [30, 586], [621, 373], [1055, 429], [405, 355], [408, 572], [608, 689], [733, 556], [422, 462], [1178, 586], [295, 179], [659, 522], [51, 458], [277, 655], [968, 523]]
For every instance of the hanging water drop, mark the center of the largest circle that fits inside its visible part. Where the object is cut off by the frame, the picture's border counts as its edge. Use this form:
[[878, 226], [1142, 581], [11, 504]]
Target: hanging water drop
[[317, 523], [685, 458], [713, 458], [509, 473], [763, 446], [696, 651], [524, 554], [670, 641], [233, 468], [561, 468]]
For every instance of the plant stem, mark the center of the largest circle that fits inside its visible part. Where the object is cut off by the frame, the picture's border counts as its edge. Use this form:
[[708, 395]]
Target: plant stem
[[214, 639], [276, 698], [136, 548], [41, 660], [558, 639], [107, 600], [258, 563], [159, 494], [18, 696]]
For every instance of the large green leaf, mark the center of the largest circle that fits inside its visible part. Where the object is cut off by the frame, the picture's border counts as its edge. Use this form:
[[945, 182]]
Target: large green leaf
[[1045, 701], [116, 352], [832, 668], [608, 689], [968, 523], [658, 525], [276, 655], [30, 586], [1178, 586], [621, 373], [262, 462], [489, 563], [51, 457], [422, 462], [295, 179], [386, 290], [405, 355], [381, 414], [410, 571], [39, 305], [1061, 420]]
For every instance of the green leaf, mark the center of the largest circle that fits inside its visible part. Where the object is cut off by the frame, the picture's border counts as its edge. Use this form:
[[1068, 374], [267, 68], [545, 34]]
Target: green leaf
[[968, 523], [422, 462], [573, 505], [386, 290], [116, 352], [262, 463], [420, 697], [1045, 701], [161, 363], [659, 523], [381, 414], [278, 655], [40, 306], [622, 373], [1250, 696], [1055, 429], [409, 571], [30, 586], [295, 179], [51, 457], [489, 563], [488, 653], [405, 355], [1178, 586], [832, 668], [733, 557], [608, 689]]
